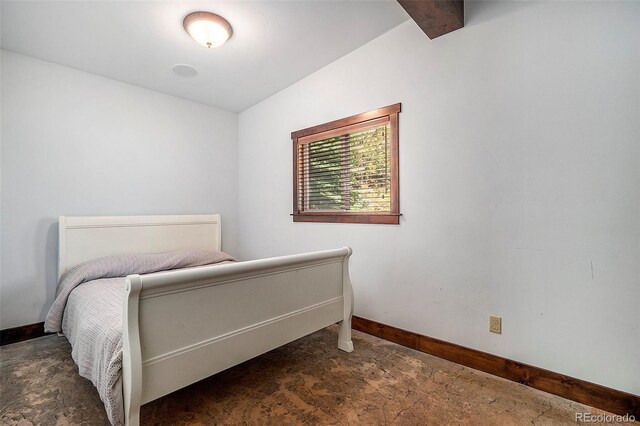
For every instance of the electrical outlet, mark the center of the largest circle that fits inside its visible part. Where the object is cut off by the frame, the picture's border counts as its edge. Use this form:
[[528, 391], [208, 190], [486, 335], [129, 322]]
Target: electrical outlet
[[495, 324]]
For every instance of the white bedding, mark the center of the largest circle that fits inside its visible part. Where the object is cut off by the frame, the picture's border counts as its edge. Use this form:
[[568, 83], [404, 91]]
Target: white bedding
[[92, 322], [89, 309]]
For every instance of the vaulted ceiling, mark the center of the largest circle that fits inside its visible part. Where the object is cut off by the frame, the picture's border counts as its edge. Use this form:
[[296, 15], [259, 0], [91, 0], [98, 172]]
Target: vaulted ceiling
[[274, 43]]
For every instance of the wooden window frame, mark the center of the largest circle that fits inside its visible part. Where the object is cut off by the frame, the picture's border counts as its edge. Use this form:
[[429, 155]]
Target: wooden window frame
[[390, 218]]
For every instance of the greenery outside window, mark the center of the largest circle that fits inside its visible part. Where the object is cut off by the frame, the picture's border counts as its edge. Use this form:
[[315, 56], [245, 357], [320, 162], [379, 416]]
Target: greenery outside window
[[347, 170]]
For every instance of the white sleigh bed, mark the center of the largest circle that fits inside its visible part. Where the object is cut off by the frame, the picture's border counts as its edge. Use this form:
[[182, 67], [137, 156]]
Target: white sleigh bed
[[184, 325]]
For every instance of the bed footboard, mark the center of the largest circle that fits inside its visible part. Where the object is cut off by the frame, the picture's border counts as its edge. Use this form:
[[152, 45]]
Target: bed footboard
[[185, 325]]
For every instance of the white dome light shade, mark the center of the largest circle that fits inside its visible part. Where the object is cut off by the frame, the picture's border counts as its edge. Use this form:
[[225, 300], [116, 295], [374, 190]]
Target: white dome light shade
[[208, 29]]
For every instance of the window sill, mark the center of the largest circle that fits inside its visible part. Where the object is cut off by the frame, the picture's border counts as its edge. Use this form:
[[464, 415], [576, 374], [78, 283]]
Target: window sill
[[386, 218]]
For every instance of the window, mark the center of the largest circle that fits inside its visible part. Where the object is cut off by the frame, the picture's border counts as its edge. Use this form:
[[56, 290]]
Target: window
[[347, 170]]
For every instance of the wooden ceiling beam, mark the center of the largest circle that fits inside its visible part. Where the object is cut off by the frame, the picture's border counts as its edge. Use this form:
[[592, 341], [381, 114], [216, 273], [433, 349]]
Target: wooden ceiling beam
[[435, 17]]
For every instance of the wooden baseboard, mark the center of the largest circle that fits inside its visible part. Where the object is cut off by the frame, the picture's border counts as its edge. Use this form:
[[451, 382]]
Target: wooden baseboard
[[612, 400], [24, 332]]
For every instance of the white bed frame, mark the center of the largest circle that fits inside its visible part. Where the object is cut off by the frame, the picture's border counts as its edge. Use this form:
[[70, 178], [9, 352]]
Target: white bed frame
[[185, 325]]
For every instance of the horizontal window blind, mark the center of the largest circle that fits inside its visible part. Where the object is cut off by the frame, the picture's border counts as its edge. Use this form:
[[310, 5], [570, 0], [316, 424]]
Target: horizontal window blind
[[346, 171]]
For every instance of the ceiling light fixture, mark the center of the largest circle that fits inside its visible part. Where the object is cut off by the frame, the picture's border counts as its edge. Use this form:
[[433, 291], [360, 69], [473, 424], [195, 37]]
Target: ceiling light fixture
[[208, 29]]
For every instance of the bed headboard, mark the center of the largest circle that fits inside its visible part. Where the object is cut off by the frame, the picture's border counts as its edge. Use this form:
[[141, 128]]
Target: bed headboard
[[82, 238]]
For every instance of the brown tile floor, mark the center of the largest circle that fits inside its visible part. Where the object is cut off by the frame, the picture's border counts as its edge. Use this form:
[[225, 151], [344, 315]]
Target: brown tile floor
[[306, 382]]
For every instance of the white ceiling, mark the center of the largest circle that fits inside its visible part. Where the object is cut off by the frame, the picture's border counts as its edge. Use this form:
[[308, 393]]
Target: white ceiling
[[274, 43]]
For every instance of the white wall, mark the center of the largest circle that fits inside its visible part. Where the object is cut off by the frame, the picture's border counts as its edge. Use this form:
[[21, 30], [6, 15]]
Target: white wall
[[75, 143], [519, 183]]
